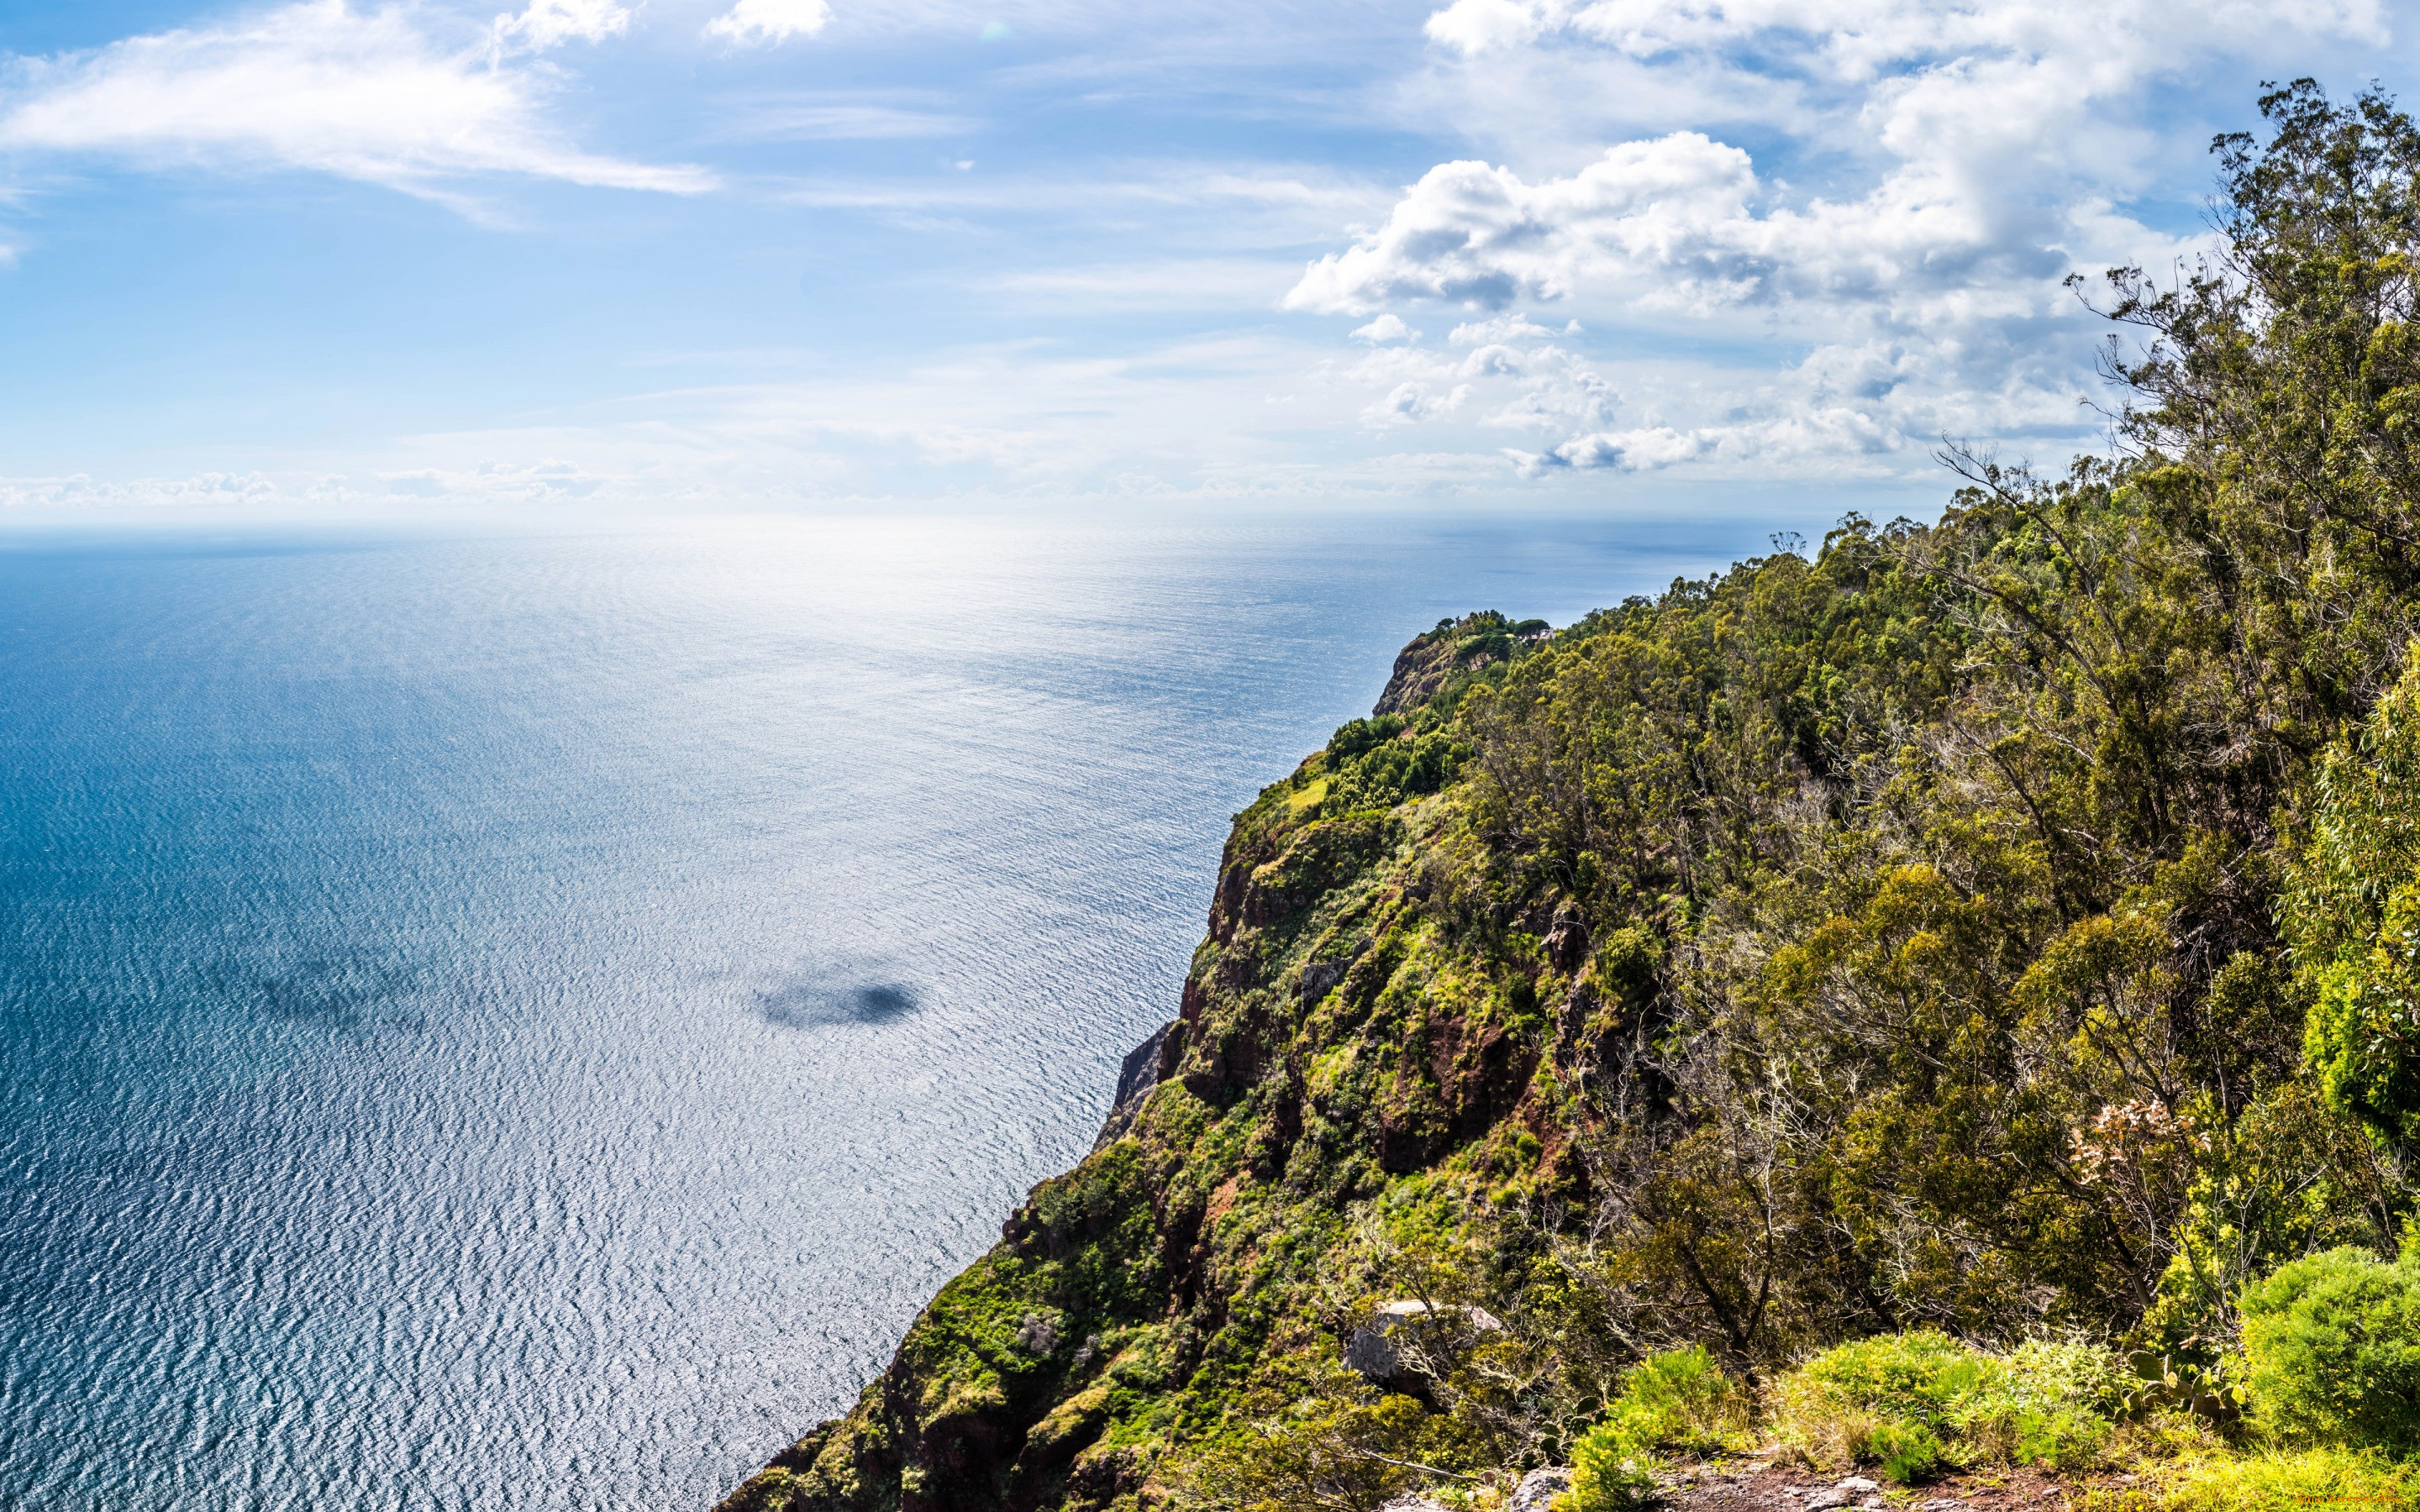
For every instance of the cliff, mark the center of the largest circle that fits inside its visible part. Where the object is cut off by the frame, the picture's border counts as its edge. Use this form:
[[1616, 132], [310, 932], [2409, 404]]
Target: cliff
[[1333, 1045], [1753, 968], [1999, 932]]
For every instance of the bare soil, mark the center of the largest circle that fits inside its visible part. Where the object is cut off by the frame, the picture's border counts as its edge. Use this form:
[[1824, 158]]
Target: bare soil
[[1759, 1485]]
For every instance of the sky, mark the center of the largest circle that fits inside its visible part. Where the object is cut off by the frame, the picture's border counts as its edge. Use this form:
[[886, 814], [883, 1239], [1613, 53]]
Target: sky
[[342, 255]]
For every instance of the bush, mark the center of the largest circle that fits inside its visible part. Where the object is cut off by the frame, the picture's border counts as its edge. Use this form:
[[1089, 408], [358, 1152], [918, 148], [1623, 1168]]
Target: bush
[[1680, 1399], [1908, 1452], [1609, 1475], [1911, 1404], [2333, 1344], [2266, 1483], [1896, 1374]]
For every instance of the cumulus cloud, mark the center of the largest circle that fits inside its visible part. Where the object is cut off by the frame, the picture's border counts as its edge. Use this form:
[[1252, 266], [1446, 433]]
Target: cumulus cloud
[[325, 88], [1387, 328], [553, 22], [1888, 265], [1411, 402], [1502, 385], [766, 21], [1680, 223], [1504, 328]]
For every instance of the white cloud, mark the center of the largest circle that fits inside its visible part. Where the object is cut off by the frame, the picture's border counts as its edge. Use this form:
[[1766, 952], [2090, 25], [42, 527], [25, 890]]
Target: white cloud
[[1411, 402], [320, 87], [80, 492], [1485, 25], [1961, 158], [545, 479], [1504, 328], [1228, 416], [1529, 388], [766, 21], [1676, 222], [553, 22], [1387, 328], [1868, 38]]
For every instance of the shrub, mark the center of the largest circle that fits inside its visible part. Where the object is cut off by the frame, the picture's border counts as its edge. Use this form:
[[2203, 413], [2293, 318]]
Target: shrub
[[2053, 1407], [2051, 1375], [1897, 1375], [2333, 1344], [1608, 1473], [1881, 1400], [1908, 1452], [2293, 1482], [2353, 912], [1680, 1399], [1913, 1403]]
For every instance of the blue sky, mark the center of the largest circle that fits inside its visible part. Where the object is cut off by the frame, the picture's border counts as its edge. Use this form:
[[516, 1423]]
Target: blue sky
[[340, 257]]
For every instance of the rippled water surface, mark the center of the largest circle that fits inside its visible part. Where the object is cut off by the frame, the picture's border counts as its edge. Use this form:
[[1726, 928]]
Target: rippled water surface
[[524, 1023]]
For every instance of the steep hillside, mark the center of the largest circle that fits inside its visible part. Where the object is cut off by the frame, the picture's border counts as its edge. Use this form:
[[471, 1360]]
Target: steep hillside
[[2004, 930], [1333, 1045]]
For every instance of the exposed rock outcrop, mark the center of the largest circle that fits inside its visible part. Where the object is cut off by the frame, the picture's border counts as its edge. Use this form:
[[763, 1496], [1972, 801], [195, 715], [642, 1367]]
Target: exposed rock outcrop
[[1420, 670], [1138, 1075]]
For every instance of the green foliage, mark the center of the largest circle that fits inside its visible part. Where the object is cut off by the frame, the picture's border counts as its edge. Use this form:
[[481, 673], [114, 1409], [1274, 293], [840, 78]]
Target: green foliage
[[1905, 1453], [2354, 913], [1609, 1474], [1899, 1375], [2165, 1383], [2264, 1482], [1384, 761], [1678, 1399], [1320, 1457], [2333, 1344], [1913, 1404], [2290, 1176]]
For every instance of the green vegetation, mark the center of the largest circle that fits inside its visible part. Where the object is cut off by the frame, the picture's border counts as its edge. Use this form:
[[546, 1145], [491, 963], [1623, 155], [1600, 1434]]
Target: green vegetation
[[2333, 1341], [1948, 1003], [1679, 1399], [1912, 1405], [1607, 1474], [2353, 915], [1676, 1400]]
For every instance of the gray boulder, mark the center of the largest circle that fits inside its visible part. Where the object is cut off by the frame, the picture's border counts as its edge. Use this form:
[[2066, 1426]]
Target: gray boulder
[[1539, 1488]]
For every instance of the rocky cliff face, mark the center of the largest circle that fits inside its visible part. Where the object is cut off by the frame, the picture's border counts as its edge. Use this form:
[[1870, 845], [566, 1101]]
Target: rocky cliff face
[[1336, 1043]]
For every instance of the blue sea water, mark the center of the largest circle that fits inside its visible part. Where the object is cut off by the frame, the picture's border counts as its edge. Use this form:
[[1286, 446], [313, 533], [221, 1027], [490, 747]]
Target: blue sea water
[[523, 1023]]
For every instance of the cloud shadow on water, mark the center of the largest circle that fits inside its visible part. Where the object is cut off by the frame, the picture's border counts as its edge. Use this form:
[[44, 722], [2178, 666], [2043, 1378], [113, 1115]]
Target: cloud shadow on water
[[341, 986], [816, 1002]]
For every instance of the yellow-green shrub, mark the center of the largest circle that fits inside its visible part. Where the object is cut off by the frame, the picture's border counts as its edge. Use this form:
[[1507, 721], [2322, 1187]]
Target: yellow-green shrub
[[2334, 1342], [2353, 1480], [1607, 1474], [1680, 1399], [1913, 1403]]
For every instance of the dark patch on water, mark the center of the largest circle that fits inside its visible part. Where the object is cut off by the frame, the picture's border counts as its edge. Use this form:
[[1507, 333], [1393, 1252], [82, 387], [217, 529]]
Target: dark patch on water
[[343, 987], [817, 1002]]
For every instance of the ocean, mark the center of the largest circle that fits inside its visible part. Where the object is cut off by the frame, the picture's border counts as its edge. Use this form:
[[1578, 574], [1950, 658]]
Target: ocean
[[496, 1020]]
